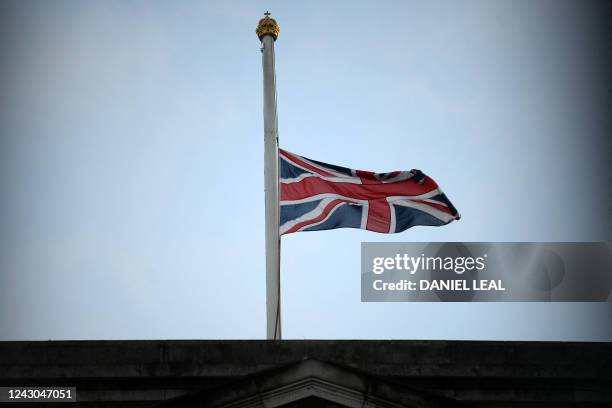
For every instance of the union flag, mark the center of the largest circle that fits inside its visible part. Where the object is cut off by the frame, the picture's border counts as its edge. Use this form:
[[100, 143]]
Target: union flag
[[319, 196]]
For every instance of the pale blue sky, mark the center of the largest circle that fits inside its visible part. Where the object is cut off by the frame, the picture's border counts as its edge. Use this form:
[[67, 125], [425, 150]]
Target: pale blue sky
[[132, 159]]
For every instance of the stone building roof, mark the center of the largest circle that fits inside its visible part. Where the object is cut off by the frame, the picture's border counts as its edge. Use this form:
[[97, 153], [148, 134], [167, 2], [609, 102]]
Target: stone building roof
[[315, 373]]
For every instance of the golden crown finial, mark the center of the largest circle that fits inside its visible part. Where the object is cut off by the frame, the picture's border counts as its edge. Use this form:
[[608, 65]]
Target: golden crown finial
[[267, 25]]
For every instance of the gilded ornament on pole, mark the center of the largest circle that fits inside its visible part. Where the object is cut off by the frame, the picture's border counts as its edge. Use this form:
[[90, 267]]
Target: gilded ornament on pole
[[267, 25]]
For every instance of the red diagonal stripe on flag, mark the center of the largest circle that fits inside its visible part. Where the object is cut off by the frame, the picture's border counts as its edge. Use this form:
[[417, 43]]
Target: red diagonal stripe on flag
[[321, 217]]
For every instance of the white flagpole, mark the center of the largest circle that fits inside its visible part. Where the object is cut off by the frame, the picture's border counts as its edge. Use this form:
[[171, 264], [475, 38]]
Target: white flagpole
[[267, 31]]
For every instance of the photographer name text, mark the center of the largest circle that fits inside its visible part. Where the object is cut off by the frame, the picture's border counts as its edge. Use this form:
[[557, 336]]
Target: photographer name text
[[439, 284]]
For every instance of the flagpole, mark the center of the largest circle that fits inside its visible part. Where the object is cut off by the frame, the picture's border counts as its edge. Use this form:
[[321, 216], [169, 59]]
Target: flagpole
[[267, 31]]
